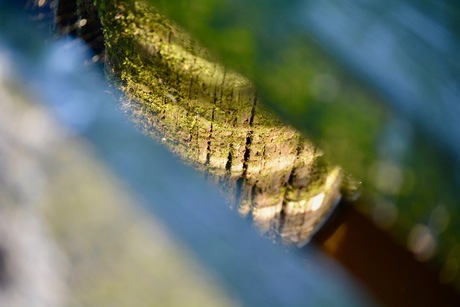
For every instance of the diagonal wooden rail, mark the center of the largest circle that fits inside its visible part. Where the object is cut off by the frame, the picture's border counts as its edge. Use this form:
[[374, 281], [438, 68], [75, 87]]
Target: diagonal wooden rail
[[255, 271]]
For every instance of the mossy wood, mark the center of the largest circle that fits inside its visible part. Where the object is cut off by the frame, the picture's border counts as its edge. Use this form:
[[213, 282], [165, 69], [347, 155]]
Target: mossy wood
[[211, 118]]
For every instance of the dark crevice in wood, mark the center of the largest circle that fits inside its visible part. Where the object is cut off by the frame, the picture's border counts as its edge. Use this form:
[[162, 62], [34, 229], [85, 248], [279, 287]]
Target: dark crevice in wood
[[247, 153], [208, 147], [247, 148], [228, 165]]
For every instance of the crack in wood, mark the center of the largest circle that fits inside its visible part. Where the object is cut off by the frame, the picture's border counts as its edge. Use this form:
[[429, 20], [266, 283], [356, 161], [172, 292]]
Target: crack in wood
[[247, 149], [208, 147], [228, 165]]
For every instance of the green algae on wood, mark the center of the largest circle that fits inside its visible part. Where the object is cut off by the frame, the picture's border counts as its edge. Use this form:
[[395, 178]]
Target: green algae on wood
[[211, 118]]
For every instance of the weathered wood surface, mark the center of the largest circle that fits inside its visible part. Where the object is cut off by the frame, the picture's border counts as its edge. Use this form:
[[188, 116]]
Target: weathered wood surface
[[211, 117]]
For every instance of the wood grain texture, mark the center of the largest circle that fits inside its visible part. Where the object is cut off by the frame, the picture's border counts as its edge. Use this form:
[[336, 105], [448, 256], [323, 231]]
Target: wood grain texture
[[211, 118]]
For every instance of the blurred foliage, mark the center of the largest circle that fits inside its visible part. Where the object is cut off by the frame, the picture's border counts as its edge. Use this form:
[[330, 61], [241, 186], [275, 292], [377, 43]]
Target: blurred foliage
[[385, 111]]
